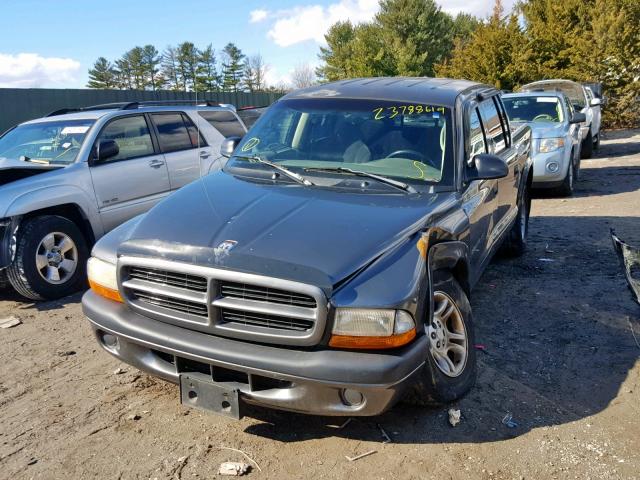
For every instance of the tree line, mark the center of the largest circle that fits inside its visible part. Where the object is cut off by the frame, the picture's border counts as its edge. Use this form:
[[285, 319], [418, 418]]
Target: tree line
[[183, 67], [582, 40]]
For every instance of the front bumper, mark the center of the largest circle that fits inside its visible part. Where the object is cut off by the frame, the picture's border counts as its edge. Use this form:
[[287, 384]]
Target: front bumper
[[542, 176], [277, 377]]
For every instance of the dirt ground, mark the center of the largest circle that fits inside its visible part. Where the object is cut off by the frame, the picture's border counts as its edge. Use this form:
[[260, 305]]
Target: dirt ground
[[559, 357]]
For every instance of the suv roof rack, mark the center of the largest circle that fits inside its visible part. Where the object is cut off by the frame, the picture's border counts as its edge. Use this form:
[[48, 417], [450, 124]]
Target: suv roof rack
[[135, 105]]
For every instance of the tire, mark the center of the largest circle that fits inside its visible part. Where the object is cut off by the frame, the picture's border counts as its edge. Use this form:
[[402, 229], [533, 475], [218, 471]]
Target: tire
[[433, 386], [587, 146], [566, 189], [596, 144], [515, 243], [41, 243], [4, 280]]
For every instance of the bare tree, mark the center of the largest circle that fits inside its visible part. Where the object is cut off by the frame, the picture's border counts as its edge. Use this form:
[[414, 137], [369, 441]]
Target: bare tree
[[255, 71], [303, 76]]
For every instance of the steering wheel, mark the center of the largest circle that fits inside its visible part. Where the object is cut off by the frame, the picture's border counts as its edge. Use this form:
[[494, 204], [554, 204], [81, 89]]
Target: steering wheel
[[414, 155], [543, 117]]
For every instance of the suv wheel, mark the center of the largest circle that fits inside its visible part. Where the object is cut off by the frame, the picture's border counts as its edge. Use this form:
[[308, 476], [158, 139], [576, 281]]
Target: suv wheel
[[566, 188], [587, 146], [516, 241], [450, 368], [51, 257]]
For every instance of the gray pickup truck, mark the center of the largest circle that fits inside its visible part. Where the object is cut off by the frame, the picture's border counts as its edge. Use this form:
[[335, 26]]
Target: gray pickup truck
[[68, 178], [327, 268]]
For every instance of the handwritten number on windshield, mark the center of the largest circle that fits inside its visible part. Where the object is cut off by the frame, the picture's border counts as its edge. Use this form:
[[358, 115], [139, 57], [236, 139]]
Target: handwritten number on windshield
[[393, 111]]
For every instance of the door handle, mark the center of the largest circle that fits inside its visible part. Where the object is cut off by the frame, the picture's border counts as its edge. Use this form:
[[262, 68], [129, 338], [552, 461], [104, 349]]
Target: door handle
[[204, 154], [156, 163]]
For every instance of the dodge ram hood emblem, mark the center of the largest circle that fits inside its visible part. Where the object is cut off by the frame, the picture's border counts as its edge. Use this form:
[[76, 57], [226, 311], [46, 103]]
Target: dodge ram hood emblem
[[226, 246]]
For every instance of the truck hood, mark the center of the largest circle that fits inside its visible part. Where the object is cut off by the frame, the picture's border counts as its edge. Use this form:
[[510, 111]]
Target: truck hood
[[545, 129], [12, 170], [309, 234]]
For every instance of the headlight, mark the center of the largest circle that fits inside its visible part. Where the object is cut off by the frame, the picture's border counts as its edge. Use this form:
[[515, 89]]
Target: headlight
[[103, 279], [550, 144], [371, 328]]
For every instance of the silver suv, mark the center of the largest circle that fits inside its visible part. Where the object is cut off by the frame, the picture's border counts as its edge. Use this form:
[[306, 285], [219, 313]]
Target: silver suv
[[72, 176]]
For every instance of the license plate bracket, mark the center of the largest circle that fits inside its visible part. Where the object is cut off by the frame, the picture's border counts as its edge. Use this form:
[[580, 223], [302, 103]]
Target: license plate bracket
[[200, 392]]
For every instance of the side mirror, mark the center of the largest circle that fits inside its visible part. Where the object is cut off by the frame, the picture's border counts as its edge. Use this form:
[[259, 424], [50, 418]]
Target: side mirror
[[578, 118], [487, 166], [107, 149], [228, 145], [595, 102]]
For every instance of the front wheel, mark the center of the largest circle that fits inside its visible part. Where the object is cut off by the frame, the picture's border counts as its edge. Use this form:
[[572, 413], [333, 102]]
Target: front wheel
[[51, 257], [587, 146], [566, 189], [450, 367], [4, 281]]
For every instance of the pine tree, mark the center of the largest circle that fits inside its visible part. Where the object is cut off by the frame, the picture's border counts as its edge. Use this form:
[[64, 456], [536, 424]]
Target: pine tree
[[232, 67], [169, 69], [254, 72], [150, 62], [102, 75], [208, 79]]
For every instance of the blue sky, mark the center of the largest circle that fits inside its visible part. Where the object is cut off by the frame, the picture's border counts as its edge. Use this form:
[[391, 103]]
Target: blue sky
[[47, 43]]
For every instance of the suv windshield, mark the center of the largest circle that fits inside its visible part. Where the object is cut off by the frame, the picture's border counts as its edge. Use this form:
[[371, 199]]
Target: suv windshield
[[533, 109], [56, 142], [411, 142]]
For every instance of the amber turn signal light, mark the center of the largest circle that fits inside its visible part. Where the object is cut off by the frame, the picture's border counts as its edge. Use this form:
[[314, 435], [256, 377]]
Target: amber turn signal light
[[372, 343], [105, 292]]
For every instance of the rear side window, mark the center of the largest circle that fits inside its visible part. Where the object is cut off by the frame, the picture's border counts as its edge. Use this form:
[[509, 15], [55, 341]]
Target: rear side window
[[504, 119], [173, 134], [132, 136], [492, 125], [475, 141], [224, 121]]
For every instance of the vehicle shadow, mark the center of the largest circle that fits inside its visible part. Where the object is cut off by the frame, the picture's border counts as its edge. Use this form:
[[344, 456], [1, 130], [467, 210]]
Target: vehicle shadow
[[554, 328], [21, 303], [599, 181]]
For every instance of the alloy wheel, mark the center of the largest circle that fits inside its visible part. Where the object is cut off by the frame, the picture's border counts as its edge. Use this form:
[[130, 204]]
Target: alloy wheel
[[448, 343], [56, 258]]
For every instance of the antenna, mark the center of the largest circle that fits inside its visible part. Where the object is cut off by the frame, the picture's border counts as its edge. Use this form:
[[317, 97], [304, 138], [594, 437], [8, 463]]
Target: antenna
[[195, 89]]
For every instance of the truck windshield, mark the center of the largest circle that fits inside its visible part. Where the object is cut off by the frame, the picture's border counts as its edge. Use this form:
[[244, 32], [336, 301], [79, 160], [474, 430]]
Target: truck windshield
[[56, 142], [411, 142], [534, 109]]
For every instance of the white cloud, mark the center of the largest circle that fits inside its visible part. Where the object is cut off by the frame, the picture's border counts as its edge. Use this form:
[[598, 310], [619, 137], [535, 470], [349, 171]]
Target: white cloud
[[259, 15], [479, 8], [311, 22], [29, 70]]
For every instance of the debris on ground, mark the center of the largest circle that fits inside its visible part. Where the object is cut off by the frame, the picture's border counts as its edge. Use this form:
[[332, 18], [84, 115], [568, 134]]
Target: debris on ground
[[243, 453], [234, 468], [387, 438], [119, 371], [454, 416], [481, 347], [509, 421], [362, 455], [340, 427], [9, 322], [547, 249], [630, 258], [135, 417], [547, 260], [66, 353]]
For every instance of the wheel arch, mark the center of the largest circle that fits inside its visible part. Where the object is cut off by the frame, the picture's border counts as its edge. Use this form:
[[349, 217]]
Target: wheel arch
[[70, 211], [451, 256]]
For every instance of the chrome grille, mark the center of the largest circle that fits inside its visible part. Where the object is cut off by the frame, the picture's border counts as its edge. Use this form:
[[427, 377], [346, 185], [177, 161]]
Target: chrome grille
[[265, 320], [174, 279], [266, 294], [172, 303], [223, 302]]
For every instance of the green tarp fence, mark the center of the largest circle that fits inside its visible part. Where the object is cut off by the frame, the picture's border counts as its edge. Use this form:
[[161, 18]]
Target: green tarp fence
[[21, 104]]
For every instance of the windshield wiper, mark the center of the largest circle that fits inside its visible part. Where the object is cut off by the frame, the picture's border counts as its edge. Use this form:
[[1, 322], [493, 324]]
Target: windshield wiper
[[293, 175], [24, 158], [389, 181]]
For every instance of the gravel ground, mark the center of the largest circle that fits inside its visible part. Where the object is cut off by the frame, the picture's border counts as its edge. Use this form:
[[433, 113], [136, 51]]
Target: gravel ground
[[559, 357]]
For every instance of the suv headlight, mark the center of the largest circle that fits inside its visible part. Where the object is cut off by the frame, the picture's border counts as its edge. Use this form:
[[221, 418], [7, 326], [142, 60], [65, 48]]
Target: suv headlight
[[550, 144], [103, 279], [372, 328]]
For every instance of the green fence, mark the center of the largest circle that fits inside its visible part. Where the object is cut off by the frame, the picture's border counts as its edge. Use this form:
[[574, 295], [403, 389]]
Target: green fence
[[21, 104]]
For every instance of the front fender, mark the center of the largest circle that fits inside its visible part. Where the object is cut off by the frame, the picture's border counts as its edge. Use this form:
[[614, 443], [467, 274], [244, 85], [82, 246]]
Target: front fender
[[48, 197]]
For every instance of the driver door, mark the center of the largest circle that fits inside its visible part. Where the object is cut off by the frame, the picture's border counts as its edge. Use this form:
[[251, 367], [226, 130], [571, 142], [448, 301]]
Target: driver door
[[134, 180]]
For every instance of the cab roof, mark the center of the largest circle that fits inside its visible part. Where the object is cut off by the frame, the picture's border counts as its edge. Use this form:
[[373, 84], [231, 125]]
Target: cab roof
[[438, 91]]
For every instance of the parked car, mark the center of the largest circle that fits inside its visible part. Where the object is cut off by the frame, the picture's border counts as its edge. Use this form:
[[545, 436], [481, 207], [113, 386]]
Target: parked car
[[583, 101], [68, 178], [327, 268], [250, 114], [556, 143]]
